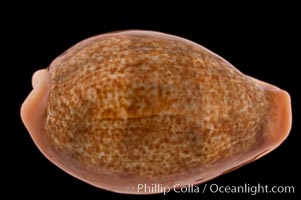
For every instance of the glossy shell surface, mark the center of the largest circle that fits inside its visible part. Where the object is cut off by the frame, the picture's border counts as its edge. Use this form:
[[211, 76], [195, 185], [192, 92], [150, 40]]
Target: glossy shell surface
[[142, 107]]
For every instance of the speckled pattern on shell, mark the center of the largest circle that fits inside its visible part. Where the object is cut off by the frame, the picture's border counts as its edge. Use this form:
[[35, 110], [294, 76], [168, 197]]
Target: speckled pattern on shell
[[150, 105]]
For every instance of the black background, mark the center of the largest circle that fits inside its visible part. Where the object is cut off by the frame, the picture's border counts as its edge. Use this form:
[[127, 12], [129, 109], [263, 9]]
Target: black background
[[261, 41]]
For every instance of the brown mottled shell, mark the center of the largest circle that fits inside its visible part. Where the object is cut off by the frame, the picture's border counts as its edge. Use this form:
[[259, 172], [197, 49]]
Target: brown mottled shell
[[142, 107]]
